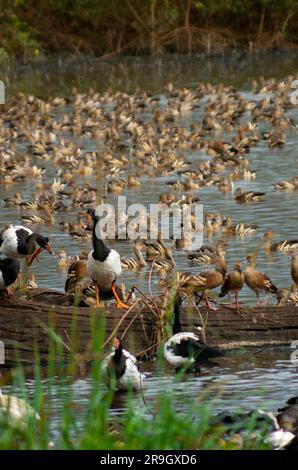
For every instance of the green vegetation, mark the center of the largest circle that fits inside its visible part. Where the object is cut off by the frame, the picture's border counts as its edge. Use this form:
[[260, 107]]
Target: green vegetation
[[158, 425], [29, 29]]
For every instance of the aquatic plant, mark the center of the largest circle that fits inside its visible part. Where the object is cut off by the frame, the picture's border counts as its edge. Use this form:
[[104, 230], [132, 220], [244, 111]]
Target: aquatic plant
[[161, 424]]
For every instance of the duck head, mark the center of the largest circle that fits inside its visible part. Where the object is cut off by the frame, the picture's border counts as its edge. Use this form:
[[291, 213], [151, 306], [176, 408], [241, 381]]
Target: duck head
[[117, 343], [44, 244], [90, 215]]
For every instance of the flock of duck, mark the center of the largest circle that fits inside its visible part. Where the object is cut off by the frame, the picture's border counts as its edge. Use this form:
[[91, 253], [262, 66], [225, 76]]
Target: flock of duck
[[139, 137]]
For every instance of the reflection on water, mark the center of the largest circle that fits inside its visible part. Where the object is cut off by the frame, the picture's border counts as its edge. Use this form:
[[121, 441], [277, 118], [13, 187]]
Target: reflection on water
[[246, 380], [128, 74], [278, 212]]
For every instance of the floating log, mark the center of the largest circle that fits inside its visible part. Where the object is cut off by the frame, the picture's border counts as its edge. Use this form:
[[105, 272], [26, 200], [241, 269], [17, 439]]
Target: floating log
[[25, 326]]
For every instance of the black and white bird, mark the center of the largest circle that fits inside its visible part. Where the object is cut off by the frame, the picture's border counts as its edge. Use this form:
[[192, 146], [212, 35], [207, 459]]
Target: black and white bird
[[17, 241], [265, 425], [104, 267], [185, 350], [120, 369], [9, 271]]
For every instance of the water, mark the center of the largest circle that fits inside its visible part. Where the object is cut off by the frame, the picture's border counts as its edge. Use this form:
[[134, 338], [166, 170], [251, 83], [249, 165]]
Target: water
[[254, 379], [245, 381], [278, 212]]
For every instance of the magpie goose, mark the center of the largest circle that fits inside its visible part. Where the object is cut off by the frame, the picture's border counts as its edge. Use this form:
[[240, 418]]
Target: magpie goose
[[120, 368], [17, 241], [104, 267], [185, 349], [9, 271]]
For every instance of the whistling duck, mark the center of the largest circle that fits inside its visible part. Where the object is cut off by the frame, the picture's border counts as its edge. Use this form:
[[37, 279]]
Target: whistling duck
[[258, 281], [205, 280], [287, 185], [131, 263], [19, 242], [64, 260], [185, 349], [77, 274], [30, 282], [225, 185], [9, 271], [120, 369], [294, 268], [207, 254], [104, 267], [287, 296], [248, 196], [234, 281], [283, 246], [13, 200]]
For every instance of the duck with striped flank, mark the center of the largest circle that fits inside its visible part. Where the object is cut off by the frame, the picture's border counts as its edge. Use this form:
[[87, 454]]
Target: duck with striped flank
[[247, 196], [233, 282], [258, 281]]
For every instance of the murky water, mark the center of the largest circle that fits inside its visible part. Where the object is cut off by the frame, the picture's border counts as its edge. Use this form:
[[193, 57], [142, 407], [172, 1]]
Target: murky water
[[251, 379], [244, 381], [278, 212]]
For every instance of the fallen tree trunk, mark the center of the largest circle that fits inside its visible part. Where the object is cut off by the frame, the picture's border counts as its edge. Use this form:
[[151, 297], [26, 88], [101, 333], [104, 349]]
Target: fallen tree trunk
[[26, 326]]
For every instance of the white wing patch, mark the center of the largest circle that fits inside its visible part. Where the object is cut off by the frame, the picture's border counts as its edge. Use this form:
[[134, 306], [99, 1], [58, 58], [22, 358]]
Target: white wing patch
[[132, 378], [10, 241], [105, 272], [170, 356]]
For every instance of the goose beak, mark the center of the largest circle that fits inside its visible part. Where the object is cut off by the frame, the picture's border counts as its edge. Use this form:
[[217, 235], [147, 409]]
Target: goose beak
[[49, 249]]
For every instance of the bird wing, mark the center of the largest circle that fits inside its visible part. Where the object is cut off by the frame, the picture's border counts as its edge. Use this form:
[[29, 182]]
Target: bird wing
[[115, 261], [189, 345]]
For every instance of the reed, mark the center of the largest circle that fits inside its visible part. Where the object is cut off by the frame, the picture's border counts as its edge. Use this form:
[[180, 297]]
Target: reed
[[161, 424]]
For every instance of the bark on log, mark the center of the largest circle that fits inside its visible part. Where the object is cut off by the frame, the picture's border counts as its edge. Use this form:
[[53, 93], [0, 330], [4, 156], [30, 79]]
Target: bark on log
[[24, 326]]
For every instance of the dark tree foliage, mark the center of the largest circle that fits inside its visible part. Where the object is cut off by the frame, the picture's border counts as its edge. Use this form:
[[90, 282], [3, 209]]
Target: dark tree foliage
[[32, 27]]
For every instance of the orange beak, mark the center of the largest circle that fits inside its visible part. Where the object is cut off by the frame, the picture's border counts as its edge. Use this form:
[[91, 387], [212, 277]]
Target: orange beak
[[116, 343], [49, 249], [35, 255]]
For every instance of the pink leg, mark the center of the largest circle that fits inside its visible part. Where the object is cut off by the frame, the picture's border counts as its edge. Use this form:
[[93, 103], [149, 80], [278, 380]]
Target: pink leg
[[236, 298], [208, 304], [266, 299], [258, 296]]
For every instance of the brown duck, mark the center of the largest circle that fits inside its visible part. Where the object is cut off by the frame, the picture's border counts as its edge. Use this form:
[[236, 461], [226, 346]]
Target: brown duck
[[258, 281], [234, 281], [248, 196], [205, 280], [294, 268]]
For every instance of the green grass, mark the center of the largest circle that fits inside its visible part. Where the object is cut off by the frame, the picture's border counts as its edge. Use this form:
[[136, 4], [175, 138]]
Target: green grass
[[161, 425]]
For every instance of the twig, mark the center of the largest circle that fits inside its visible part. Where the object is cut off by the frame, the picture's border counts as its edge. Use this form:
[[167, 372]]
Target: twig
[[202, 321], [129, 325], [120, 323]]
